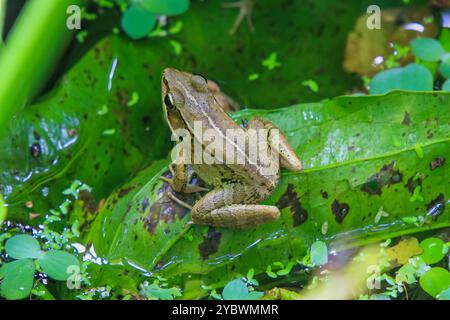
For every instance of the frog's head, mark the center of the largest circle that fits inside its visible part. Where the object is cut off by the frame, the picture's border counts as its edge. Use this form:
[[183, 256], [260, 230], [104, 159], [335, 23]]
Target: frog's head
[[185, 98]]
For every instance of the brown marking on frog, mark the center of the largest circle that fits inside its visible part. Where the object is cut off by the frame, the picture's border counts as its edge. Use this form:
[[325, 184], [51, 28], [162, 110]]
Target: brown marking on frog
[[340, 210], [324, 194], [210, 244], [406, 119], [291, 199], [437, 163], [385, 177]]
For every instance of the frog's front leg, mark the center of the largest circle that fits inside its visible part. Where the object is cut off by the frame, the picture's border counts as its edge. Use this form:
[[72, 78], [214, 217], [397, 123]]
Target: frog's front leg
[[180, 181], [232, 206], [288, 158]]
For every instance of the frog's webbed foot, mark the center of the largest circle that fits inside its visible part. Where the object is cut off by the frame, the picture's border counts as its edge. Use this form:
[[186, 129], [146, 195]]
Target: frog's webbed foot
[[245, 12]]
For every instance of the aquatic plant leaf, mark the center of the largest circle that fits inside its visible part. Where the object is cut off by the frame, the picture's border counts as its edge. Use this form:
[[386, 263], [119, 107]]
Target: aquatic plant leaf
[[319, 253], [444, 67], [446, 85], [17, 279], [435, 281], [347, 179], [433, 250], [235, 290], [166, 7], [412, 77], [427, 49], [57, 264], [23, 246], [137, 21]]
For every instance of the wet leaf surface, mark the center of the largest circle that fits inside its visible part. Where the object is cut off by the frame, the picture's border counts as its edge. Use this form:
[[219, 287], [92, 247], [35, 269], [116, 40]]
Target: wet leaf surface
[[359, 156]]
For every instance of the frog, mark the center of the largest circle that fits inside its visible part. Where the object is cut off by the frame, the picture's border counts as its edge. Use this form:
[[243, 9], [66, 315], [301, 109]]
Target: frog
[[237, 187]]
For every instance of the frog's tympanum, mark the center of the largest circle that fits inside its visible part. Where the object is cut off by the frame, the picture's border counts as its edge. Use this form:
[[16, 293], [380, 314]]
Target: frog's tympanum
[[237, 186]]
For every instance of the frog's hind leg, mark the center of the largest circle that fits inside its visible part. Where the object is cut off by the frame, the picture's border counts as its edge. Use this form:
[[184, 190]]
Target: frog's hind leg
[[232, 206], [288, 158], [245, 12]]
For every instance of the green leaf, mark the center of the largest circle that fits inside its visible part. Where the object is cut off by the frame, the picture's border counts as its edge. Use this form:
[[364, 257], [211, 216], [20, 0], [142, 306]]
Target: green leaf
[[235, 290], [435, 280], [154, 291], [444, 295], [18, 279], [93, 159], [346, 180], [138, 21], [446, 86], [3, 210], [56, 263], [254, 295], [166, 7], [427, 49], [319, 253], [433, 250], [412, 77], [23, 246], [444, 67]]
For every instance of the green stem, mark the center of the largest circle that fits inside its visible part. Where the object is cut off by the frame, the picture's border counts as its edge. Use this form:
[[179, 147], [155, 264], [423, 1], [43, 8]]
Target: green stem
[[2, 19], [30, 53]]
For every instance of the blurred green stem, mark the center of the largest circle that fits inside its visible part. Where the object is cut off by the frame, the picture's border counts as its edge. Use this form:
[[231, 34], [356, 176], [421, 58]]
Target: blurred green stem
[[2, 19], [30, 53]]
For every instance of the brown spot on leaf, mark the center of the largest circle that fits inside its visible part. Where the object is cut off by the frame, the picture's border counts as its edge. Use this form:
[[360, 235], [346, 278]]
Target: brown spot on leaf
[[413, 183], [122, 97], [290, 199], [385, 177], [406, 119], [340, 210], [124, 192], [437, 162], [210, 244], [324, 194]]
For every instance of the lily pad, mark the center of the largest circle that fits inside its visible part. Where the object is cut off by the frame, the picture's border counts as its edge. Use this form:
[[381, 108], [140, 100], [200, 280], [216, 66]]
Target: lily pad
[[347, 178]]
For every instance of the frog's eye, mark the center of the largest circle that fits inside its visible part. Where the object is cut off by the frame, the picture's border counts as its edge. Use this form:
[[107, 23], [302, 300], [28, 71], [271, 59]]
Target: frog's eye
[[169, 102], [199, 83]]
